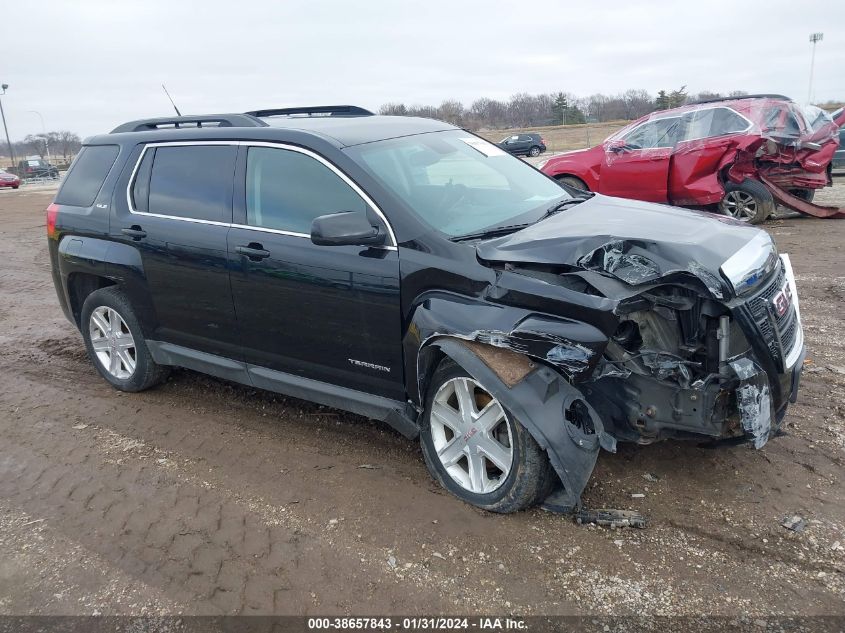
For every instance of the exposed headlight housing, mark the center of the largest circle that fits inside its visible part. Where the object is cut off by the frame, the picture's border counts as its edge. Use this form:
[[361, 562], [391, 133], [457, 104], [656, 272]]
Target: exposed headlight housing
[[751, 264]]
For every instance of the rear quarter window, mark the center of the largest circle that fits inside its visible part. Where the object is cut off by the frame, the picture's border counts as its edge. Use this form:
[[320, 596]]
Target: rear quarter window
[[87, 175]]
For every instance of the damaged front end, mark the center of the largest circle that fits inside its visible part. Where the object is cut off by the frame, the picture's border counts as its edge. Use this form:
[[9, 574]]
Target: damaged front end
[[722, 364], [626, 338]]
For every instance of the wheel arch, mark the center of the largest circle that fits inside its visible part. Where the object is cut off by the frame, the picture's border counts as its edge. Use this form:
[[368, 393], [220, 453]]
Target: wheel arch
[[563, 175], [84, 264], [79, 286], [586, 170], [552, 410]]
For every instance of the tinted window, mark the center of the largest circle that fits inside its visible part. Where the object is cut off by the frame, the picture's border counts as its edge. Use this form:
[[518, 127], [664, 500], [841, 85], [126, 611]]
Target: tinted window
[[86, 175], [286, 190], [193, 182], [141, 188]]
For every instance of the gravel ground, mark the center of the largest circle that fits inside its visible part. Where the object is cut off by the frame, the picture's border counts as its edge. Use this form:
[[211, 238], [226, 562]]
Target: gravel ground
[[204, 497]]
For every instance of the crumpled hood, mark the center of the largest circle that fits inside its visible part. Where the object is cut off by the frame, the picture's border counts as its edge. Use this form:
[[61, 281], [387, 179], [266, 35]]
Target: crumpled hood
[[636, 242]]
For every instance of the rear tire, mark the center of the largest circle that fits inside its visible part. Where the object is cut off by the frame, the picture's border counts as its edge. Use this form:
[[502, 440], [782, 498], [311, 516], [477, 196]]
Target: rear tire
[[457, 447], [116, 344], [573, 182], [749, 201], [534, 151]]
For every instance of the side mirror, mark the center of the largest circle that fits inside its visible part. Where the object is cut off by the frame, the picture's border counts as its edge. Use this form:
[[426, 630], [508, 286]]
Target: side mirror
[[619, 145], [348, 228]]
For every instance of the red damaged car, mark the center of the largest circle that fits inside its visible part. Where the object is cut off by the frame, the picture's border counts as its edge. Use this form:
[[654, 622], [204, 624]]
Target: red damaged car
[[735, 156]]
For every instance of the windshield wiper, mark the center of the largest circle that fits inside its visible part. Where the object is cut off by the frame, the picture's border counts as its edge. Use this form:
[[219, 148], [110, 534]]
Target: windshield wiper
[[560, 206], [496, 231]]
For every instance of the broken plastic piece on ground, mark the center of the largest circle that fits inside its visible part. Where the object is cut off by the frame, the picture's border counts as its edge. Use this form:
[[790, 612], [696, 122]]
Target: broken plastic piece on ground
[[611, 518], [795, 522]]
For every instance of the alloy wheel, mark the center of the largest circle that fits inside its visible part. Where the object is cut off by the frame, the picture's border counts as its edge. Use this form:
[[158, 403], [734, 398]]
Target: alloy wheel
[[740, 205], [471, 435], [113, 343]]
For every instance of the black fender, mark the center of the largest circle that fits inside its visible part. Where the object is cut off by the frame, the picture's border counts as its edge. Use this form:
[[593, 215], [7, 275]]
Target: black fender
[[571, 346], [556, 414], [117, 262]]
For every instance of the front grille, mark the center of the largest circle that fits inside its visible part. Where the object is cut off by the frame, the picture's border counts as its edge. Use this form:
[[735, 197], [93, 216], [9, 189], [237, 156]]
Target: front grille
[[777, 331]]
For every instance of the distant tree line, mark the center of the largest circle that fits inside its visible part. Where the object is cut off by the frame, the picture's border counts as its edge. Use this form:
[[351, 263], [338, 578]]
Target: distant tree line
[[561, 108], [62, 144]]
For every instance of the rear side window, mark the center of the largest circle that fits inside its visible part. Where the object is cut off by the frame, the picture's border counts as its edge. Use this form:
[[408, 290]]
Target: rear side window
[[286, 190], [188, 182], [712, 122], [85, 178]]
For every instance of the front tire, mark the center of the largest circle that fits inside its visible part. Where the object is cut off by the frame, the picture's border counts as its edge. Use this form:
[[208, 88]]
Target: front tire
[[749, 201], [573, 182], [477, 449], [116, 344]]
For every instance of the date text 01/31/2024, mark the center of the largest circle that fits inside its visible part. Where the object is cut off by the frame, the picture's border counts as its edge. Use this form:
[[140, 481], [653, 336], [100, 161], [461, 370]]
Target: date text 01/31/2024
[[417, 623]]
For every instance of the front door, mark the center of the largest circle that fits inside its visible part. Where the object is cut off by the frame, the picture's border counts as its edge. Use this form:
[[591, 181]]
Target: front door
[[176, 217], [328, 313], [637, 166]]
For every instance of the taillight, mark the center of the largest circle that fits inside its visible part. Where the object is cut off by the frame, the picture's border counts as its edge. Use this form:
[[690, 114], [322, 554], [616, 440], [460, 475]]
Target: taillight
[[52, 213]]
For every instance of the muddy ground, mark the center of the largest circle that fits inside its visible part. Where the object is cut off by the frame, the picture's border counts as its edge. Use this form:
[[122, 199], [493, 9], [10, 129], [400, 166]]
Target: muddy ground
[[206, 497]]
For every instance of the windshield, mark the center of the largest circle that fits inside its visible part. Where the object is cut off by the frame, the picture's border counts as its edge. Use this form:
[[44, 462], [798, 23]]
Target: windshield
[[458, 183]]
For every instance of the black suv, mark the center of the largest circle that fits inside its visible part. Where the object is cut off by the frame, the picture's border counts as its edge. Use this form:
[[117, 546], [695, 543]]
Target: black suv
[[526, 144], [37, 168], [409, 271]]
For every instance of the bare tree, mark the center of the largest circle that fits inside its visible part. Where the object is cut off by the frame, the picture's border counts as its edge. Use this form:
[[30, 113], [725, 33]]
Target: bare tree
[[637, 103], [393, 109], [527, 110], [66, 143], [36, 144], [451, 111]]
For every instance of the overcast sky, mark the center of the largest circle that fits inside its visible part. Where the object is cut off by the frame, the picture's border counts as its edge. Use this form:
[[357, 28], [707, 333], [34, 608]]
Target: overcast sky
[[87, 66]]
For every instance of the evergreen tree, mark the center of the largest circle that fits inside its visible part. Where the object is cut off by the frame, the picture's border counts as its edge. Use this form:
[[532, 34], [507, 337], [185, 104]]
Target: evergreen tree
[[560, 107], [678, 97]]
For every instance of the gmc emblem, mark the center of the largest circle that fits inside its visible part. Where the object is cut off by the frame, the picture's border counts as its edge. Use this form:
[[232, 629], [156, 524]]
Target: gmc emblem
[[782, 300]]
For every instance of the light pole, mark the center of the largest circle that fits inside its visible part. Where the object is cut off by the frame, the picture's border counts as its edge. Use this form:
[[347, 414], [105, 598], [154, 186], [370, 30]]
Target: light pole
[[6, 129], [814, 39], [44, 133]]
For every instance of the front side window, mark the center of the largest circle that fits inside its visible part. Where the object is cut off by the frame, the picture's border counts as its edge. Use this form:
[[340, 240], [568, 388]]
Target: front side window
[[286, 190], [457, 183], [651, 134], [191, 181]]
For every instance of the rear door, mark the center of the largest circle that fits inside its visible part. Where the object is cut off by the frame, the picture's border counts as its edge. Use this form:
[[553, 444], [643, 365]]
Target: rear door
[[706, 137], [176, 213], [329, 313], [637, 165], [524, 144]]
